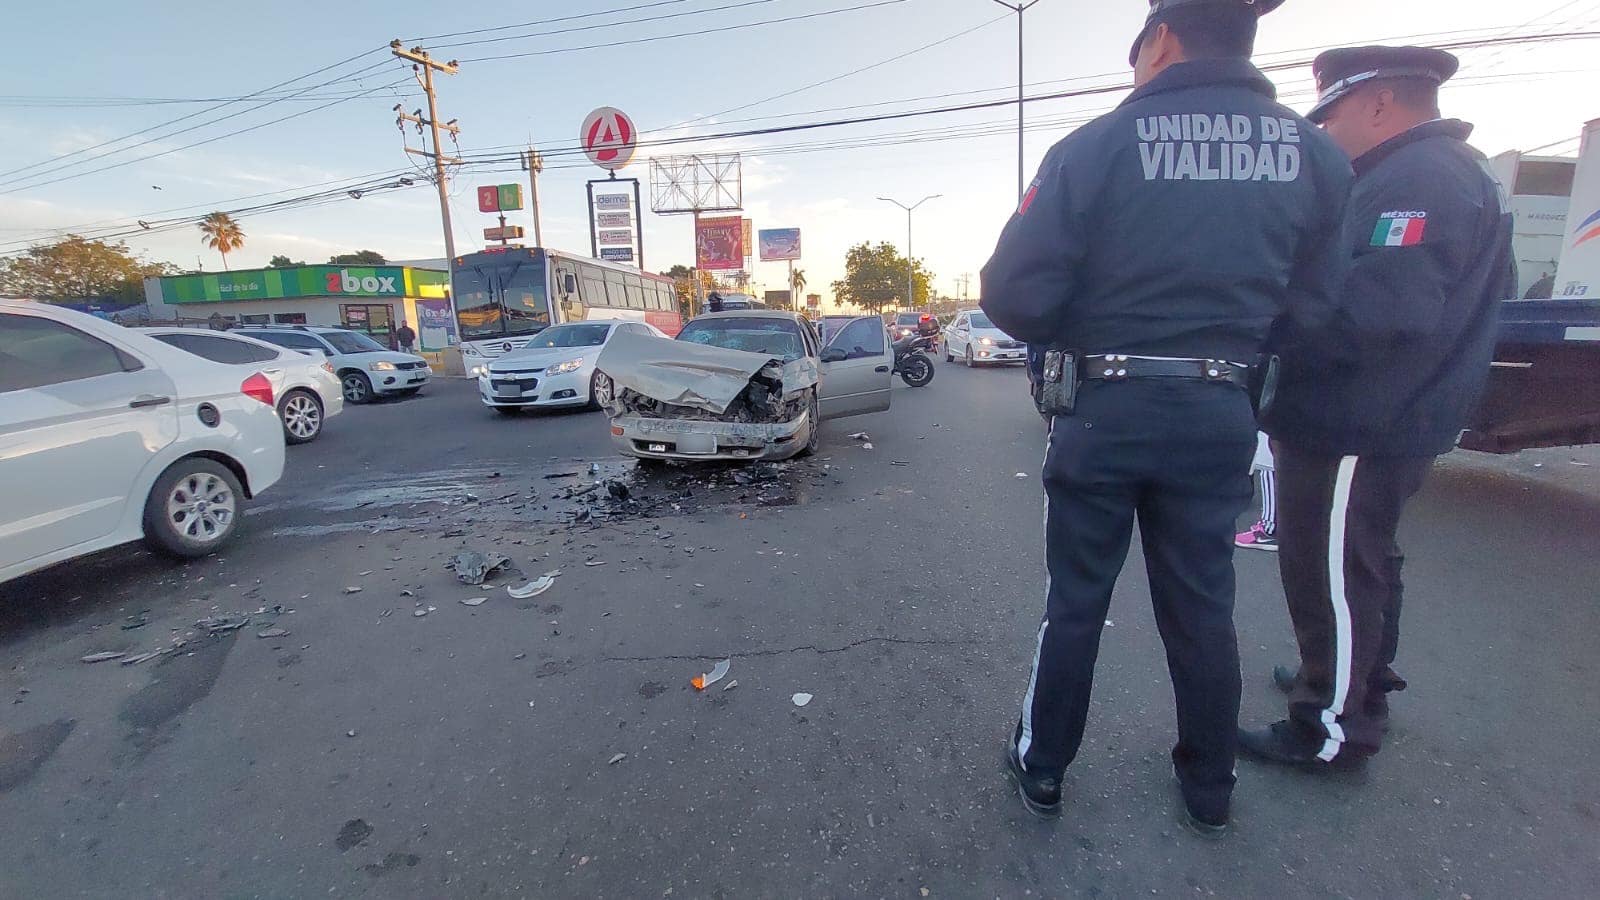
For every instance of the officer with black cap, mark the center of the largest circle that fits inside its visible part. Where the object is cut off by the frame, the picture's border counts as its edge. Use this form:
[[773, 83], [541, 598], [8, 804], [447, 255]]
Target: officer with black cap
[[1153, 252], [1365, 405]]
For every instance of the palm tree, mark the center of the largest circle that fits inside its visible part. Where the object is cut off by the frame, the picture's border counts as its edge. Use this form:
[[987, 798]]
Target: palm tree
[[799, 282], [222, 234]]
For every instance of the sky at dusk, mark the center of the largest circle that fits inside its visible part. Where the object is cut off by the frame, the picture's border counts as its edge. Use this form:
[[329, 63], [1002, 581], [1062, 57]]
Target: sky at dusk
[[88, 72]]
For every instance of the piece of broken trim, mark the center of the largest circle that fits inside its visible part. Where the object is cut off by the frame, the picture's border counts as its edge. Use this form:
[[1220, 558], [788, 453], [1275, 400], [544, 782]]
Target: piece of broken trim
[[800, 699], [532, 589], [717, 673]]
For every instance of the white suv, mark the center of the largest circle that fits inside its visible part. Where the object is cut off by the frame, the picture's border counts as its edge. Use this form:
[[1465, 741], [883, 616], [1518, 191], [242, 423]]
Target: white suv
[[108, 435], [366, 368]]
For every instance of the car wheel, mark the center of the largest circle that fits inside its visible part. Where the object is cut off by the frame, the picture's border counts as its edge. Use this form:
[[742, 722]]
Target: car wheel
[[301, 412], [357, 387], [506, 410], [600, 390], [947, 356], [812, 438], [968, 357], [193, 509]]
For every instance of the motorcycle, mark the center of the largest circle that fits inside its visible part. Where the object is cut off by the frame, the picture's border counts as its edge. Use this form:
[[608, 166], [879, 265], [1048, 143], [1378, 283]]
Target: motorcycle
[[911, 360]]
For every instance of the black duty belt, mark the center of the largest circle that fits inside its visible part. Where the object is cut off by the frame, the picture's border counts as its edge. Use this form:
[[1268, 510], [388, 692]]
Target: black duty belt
[[1115, 367]]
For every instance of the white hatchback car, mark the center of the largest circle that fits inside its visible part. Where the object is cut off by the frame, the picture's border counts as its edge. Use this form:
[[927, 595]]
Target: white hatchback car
[[974, 340], [307, 389], [555, 368], [366, 368], [108, 435]]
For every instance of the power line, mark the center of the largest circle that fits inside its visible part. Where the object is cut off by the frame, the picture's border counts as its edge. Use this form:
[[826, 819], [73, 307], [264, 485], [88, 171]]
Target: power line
[[681, 34], [185, 118], [656, 18], [588, 15]]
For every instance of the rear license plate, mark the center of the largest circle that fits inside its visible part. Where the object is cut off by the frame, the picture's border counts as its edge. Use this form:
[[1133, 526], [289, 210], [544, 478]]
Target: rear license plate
[[705, 444], [656, 448]]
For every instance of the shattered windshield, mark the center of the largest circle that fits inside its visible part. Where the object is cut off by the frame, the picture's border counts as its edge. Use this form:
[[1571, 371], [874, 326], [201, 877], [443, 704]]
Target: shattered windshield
[[584, 335], [772, 337]]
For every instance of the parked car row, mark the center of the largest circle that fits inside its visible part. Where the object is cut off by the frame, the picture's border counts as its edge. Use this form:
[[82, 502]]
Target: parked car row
[[111, 434]]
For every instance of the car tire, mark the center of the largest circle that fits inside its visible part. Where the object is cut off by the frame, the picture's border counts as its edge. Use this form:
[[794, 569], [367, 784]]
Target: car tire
[[506, 410], [968, 357], [357, 387], [194, 508], [812, 437], [301, 415], [947, 357], [600, 388]]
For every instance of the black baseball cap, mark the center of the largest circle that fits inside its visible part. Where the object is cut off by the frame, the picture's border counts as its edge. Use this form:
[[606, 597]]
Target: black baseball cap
[[1340, 72], [1158, 9]]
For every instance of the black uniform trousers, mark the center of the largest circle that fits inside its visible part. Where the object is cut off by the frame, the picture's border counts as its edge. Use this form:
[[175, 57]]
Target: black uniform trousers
[[1337, 518], [1173, 454]]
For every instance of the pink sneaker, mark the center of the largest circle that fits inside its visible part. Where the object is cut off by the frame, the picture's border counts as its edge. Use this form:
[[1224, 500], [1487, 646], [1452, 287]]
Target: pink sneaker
[[1256, 538]]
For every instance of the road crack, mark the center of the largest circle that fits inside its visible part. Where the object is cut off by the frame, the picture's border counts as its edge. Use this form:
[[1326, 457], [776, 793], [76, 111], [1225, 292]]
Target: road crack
[[750, 654]]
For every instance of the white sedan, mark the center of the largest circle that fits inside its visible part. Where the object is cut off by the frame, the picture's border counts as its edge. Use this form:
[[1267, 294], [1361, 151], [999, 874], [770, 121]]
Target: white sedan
[[974, 340], [108, 435], [307, 388], [555, 368]]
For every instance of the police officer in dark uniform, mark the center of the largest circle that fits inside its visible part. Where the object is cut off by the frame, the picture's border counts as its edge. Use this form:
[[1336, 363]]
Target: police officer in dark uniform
[[1161, 242], [1365, 405]]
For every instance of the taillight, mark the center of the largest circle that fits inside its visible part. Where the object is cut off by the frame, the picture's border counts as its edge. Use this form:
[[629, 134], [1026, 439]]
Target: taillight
[[328, 367], [258, 387]]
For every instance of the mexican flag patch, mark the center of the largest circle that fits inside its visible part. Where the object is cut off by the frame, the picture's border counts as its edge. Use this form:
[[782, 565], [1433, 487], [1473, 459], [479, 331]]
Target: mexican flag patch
[[1399, 229]]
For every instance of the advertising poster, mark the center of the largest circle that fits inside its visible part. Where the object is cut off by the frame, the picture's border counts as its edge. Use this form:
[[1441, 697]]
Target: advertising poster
[[779, 244], [435, 325], [719, 243]]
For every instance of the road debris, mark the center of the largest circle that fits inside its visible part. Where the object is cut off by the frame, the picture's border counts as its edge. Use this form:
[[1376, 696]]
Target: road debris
[[717, 673], [617, 490], [273, 632], [102, 657], [731, 685], [364, 574], [595, 562], [800, 699], [138, 621], [352, 590], [1022, 475], [553, 475], [420, 611], [352, 834], [472, 567], [531, 589], [860, 436], [222, 624], [473, 601], [618, 758], [867, 446], [143, 657]]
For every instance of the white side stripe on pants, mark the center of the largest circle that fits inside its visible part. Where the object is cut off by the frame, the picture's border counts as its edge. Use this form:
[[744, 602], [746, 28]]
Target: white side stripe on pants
[[1026, 740], [1341, 608]]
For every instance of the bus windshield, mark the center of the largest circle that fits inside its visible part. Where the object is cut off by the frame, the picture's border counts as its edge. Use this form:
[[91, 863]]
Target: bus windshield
[[501, 298]]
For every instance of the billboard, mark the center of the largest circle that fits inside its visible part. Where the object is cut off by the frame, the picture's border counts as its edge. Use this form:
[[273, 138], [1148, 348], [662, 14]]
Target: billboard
[[779, 244], [616, 236], [616, 254], [719, 243], [747, 240], [614, 220], [613, 201]]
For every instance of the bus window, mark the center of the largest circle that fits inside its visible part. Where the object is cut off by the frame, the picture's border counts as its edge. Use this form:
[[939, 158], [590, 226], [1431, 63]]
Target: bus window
[[526, 300], [592, 290], [635, 289], [616, 290], [477, 311]]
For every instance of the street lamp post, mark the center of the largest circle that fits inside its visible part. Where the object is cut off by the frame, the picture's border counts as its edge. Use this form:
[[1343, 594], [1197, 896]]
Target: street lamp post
[[1019, 8], [911, 266]]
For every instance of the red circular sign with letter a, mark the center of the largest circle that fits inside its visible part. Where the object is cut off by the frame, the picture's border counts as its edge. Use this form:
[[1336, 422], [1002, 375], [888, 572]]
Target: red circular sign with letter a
[[608, 138]]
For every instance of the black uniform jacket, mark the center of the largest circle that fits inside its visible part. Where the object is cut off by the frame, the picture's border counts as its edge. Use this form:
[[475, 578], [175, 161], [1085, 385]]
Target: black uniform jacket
[[1181, 224], [1407, 353]]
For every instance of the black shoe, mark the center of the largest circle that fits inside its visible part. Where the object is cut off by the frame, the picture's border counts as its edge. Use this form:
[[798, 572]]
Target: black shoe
[[1040, 796], [1210, 829], [1285, 678], [1285, 744]]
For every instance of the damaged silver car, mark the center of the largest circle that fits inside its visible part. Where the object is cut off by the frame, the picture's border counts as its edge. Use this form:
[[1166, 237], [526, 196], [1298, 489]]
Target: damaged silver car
[[742, 384]]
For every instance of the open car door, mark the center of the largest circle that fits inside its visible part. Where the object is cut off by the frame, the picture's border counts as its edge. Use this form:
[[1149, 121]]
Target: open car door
[[857, 367]]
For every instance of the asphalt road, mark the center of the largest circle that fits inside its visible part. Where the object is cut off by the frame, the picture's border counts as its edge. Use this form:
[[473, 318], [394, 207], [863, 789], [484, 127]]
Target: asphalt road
[[554, 747]]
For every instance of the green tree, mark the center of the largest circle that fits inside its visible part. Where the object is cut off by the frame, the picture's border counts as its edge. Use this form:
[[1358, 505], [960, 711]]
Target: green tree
[[221, 233], [78, 269], [875, 277], [799, 281], [358, 258], [284, 262], [683, 286]]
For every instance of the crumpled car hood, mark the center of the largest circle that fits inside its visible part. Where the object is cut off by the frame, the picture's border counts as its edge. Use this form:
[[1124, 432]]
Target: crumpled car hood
[[699, 376]]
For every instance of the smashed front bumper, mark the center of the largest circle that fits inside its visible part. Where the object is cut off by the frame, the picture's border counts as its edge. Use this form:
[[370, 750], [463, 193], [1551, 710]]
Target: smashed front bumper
[[644, 437]]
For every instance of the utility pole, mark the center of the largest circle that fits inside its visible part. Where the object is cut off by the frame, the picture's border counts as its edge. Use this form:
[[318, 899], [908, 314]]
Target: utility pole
[[911, 265], [1019, 8], [966, 280], [534, 164], [420, 60]]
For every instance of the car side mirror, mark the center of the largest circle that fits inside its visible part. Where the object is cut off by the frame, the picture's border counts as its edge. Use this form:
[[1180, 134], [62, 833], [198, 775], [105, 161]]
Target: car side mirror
[[834, 354], [569, 283]]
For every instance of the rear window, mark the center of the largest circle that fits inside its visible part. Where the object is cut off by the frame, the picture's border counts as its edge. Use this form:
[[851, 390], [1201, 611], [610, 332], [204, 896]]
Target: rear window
[[773, 337], [351, 342], [217, 349], [908, 318]]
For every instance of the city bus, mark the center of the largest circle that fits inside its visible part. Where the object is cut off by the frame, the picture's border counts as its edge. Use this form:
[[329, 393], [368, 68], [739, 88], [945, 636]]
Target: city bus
[[504, 297]]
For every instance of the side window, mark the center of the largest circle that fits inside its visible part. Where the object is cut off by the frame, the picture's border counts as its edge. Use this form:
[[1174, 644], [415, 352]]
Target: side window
[[292, 341], [635, 289], [217, 349], [37, 352], [289, 318], [861, 338]]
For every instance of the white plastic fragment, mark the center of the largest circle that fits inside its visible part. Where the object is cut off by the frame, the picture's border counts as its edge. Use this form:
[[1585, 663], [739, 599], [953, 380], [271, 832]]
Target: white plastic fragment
[[473, 601], [532, 589], [801, 699], [618, 758], [717, 673]]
